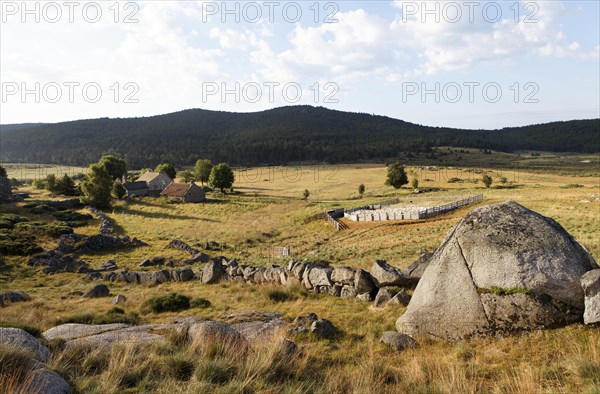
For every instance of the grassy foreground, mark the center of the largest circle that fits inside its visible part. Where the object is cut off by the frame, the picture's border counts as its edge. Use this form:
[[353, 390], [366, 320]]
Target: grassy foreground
[[268, 211]]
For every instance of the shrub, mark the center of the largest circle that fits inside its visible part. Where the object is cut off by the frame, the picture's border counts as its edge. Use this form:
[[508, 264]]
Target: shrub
[[115, 315], [572, 186], [455, 180], [201, 303], [172, 302], [487, 181], [278, 295], [18, 245], [53, 229], [72, 218]]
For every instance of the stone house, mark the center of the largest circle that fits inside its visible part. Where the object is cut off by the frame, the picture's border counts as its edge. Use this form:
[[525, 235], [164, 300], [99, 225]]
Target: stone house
[[186, 192], [139, 189], [148, 184]]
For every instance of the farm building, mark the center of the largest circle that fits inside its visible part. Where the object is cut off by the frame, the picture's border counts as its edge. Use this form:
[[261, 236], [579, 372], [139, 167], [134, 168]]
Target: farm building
[[149, 184], [139, 189], [186, 192]]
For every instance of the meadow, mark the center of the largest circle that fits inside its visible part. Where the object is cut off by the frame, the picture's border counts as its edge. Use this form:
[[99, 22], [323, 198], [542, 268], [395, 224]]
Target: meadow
[[267, 210]]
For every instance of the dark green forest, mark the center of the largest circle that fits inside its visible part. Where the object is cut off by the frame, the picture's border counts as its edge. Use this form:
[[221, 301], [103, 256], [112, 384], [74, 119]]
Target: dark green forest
[[277, 136]]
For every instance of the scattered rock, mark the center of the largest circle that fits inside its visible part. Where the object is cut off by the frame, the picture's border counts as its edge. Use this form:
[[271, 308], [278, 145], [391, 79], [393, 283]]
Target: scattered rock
[[213, 271], [211, 331], [257, 326], [363, 282], [178, 244], [348, 292], [320, 276], [590, 282], [385, 275], [119, 299], [97, 291], [14, 296], [398, 341], [323, 328], [46, 381], [343, 275], [364, 297], [109, 265], [384, 295], [17, 338], [402, 298], [55, 261]]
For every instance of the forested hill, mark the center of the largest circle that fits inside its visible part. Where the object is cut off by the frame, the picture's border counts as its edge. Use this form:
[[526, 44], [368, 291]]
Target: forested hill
[[277, 136]]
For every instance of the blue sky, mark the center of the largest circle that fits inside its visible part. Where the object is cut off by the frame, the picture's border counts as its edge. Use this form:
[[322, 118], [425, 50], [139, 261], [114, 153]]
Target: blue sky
[[495, 64]]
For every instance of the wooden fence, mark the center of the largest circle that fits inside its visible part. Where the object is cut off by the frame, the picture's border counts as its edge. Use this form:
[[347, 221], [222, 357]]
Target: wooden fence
[[439, 209]]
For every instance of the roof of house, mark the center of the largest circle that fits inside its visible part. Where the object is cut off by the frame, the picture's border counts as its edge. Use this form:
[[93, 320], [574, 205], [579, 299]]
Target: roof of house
[[176, 189], [149, 176], [138, 185]]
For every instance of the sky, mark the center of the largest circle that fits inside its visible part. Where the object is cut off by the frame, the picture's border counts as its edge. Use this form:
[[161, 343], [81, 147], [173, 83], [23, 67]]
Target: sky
[[466, 64]]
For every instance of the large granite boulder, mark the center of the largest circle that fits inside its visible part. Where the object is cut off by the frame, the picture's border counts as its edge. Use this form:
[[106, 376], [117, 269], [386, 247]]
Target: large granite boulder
[[20, 339], [590, 282], [503, 268]]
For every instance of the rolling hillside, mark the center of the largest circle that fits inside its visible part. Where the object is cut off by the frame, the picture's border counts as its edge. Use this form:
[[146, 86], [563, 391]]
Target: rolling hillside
[[277, 136]]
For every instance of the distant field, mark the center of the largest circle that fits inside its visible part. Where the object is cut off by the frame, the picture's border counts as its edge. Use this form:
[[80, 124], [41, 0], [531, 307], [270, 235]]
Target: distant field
[[30, 171]]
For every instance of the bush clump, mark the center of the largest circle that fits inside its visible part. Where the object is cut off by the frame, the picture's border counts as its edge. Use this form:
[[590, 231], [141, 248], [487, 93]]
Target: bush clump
[[18, 245], [201, 303], [115, 315], [172, 302], [53, 229]]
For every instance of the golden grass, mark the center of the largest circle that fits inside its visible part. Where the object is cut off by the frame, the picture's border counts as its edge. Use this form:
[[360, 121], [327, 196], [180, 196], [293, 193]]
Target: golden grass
[[270, 213]]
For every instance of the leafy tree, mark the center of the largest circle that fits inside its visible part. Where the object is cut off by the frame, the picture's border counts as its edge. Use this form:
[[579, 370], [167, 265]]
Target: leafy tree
[[167, 169], [202, 170], [3, 172], [116, 168], [415, 183], [306, 194], [396, 175], [145, 170], [65, 186], [96, 187], [361, 190], [487, 180], [39, 184], [187, 176], [118, 190], [221, 177], [51, 183]]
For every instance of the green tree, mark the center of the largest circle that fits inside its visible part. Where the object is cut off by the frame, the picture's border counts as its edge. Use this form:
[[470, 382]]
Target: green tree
[[221, 177], [65, 186], [361, 190], [202, 170], [487, 180], [51, 183], [96, 187], [306, 194], [118, 190], [187, 176], [3, 172], [396, 175], [415, 183], [167, 169], [116, 168]]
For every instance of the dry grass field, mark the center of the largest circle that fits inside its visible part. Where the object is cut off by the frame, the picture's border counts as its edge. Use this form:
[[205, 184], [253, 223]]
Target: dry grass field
[[267, 210]]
